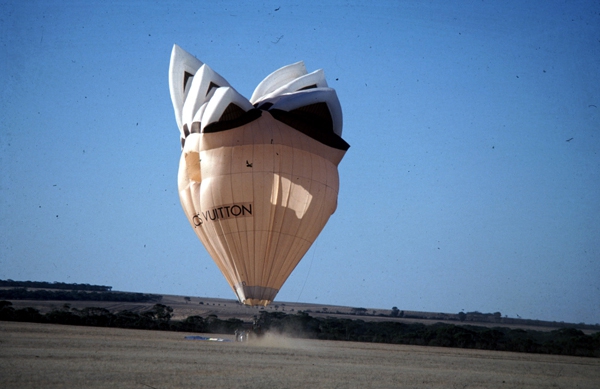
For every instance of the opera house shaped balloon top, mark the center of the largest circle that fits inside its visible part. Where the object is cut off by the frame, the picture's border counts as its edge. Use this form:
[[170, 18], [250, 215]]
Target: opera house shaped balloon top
[[258, 178]]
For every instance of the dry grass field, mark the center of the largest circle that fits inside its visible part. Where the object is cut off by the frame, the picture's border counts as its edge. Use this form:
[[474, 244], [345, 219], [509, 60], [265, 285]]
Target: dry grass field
[[55, 356]]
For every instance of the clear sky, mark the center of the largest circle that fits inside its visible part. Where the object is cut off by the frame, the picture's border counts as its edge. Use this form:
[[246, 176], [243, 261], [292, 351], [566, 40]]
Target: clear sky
[[472, 183]]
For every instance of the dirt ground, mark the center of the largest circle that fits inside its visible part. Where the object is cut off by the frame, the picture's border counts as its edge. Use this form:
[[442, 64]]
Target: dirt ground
[[55, 356]]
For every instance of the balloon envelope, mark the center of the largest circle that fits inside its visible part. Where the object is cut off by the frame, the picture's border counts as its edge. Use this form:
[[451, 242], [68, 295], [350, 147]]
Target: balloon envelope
[[257, 181]]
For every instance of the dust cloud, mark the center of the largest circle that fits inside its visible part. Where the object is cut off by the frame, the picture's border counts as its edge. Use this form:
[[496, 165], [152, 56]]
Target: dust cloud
[[278, 340]]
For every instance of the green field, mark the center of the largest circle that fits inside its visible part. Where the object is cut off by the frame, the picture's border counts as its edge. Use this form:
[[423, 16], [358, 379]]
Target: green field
[[56, 356]]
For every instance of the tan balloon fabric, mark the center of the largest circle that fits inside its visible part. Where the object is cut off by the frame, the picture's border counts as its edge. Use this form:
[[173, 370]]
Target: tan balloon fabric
[[266, 192]]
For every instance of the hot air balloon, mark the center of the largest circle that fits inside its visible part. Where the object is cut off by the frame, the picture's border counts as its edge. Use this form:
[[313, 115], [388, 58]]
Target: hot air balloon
[[258, 178]]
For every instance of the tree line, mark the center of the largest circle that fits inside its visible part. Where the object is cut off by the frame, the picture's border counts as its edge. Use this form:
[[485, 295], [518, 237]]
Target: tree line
[[563, 341], [158, 317], [75, 295], [54, 285]]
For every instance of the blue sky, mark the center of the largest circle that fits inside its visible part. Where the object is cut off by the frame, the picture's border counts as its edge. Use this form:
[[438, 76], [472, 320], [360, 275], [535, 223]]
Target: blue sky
[[472, 183]]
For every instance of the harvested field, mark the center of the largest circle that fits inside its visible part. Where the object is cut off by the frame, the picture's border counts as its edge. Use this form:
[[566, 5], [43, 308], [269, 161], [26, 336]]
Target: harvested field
[[55, 356]]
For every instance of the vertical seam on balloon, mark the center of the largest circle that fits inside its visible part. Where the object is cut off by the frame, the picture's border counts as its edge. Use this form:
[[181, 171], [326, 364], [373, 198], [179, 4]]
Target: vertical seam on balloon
[[248, 236], [295, 246], [297, 250], [253, 133], [199, 231], [237, 261], [213, 252], [274, 276], [276, 189], [269, 231], [230, 264], [301, 241], [232, 238]]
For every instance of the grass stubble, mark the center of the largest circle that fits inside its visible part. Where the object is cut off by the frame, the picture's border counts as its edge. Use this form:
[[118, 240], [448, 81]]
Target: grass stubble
[[56, 356]]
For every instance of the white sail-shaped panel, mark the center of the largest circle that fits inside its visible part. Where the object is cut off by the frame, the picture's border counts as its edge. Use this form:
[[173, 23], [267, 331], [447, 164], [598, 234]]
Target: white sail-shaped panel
[[182, 68], [278, 78]]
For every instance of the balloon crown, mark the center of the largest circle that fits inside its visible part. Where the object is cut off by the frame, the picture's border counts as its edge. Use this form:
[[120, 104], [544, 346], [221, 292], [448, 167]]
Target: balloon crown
[[204, 101]]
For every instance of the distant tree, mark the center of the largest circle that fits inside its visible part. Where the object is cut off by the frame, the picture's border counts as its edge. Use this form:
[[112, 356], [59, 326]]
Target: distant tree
[[7, 312], [462, 316], [194, 324], [162, 312], [28, 314], [99, 317], [129, 319], [63, 316], [187, 299], [359, 311], [5, 303]]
